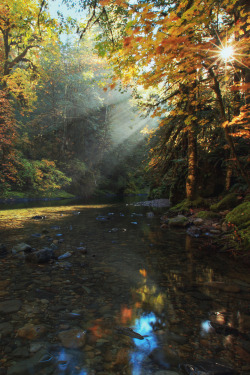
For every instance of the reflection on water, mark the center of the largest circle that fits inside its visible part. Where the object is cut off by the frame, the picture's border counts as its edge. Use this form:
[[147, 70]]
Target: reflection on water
[[143, 326], [135, 277]]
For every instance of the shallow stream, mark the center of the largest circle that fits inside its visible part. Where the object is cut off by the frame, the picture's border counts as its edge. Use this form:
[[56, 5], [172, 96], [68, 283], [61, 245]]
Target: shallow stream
[[126, 297]]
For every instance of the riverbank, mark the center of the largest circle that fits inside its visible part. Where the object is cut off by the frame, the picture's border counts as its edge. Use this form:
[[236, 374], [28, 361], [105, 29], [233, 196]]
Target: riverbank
[[22, 197], [225, 224]]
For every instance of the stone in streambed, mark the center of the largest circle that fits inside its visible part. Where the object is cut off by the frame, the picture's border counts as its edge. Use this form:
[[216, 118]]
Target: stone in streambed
[[21, 247], [207, 368], [40, 256], [3, 250], [10, 306], [5, 329], [73, 338], [31, 331], [40, 360]]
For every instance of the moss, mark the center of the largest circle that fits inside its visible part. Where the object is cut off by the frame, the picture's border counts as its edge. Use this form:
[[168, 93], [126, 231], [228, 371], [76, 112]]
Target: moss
[[186, 205], [240, 215], [226, 203], [208, 215], [31, 194], [239, 218]]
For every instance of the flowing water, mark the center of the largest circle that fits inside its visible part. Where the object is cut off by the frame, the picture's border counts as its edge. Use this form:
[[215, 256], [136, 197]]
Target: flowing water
[[126, 297]]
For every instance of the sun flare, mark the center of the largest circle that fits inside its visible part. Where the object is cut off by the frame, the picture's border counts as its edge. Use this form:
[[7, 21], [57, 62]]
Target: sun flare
[[227, 53]]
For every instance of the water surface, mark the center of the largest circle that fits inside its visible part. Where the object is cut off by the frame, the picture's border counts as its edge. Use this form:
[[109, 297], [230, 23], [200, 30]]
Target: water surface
[[186, 304]]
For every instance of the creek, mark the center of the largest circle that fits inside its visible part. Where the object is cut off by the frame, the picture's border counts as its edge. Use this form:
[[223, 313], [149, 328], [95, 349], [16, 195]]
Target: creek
[[125, 297]]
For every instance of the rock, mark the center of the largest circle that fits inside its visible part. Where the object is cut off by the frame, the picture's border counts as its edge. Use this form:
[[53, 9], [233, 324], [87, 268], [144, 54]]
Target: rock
[[198, 221], [154, 203], [31, 331], [41, 256], [150, 215], [35, 346], [165, 219], [21, 352], [82, 249], [194, 231], [73, 338], [214, 231], [224, 227], [102, 218], [10, 306], [32, 365], [5, 329], [245, 322], [21, 247], [65, 255], [164, 357], [179, 221], [207, 368], [3, 250]]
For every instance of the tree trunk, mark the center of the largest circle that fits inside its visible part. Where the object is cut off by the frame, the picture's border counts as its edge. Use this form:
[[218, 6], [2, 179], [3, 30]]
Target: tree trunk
[[229, 139], [192, 164]]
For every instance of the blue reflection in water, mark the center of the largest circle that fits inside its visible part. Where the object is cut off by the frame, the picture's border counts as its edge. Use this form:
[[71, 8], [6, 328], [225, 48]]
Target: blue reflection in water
[[66, 363], [205, 327], [143, 326]]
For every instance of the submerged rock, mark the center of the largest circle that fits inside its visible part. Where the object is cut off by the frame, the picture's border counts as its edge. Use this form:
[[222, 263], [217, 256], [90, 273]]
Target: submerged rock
[[31, 331], [207, 368], [73, 338], [10, 306], [21, 247], [40, 360], [40, 256], [3, 250], [102, 218]]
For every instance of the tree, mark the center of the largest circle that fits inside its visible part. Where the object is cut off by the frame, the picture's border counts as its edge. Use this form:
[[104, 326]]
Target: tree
[[24, 28], [177, 48]]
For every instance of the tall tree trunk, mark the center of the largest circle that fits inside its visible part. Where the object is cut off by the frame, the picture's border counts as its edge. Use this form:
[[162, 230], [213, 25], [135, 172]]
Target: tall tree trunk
[[229, 139], [191, 185]]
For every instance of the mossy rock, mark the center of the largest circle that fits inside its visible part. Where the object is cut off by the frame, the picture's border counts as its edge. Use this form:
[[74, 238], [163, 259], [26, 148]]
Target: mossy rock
[[186, 205], [240, 215], [208, 215], [240, 218], [178, 221], [226, 203], [245, 237]]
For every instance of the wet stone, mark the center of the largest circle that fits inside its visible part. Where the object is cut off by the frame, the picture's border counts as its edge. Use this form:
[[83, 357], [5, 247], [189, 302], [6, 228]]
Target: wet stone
[[10, 306], [31, 331], [39, 361], [207, 368], [5, 329], [73, 338]]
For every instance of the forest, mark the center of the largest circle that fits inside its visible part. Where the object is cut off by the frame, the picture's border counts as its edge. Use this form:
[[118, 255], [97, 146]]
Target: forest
[[143, 97]]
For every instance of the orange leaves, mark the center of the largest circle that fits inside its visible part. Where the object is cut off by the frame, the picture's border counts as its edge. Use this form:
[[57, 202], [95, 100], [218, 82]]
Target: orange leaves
[[127, 41]]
